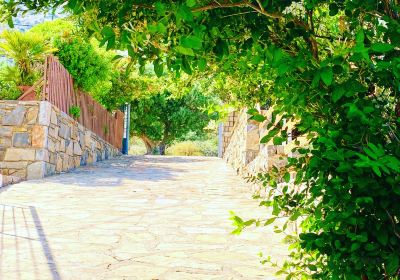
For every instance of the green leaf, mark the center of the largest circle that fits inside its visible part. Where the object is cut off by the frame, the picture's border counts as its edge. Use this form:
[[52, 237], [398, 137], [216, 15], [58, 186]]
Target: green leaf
[[72, 4], [158, 67], [327, 75], [160, 8], [278, 140], [355, 246], [295, 216], [108, 37], [360, 37], [258, 118], [393, 264], [192, 42], [202, 64], [185, 51], [286, 177], [382, 236], [190, 3], [131, 51], [270, 221], [186, 66], [382, 47], [10, 22], [337, 94]]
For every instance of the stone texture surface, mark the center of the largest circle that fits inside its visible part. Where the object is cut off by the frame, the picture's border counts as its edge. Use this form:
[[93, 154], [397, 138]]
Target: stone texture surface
[[15, 117], [134, 218], [39, 132], [242, 147], [21, 139]]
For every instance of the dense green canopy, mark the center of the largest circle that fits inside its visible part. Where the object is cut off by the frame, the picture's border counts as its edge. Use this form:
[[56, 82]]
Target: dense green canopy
[[332, 67]]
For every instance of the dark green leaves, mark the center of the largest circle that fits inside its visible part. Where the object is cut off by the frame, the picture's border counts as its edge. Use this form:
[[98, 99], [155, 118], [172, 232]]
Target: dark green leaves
[[108, 37], [327, 75], [158, 67], [382, 47]]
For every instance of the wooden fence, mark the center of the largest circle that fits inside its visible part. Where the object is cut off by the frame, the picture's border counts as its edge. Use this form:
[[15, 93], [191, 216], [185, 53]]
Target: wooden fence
[[58, 89]]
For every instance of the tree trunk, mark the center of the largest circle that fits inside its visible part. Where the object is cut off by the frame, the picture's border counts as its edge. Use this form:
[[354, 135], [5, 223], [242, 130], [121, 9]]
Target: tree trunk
[[150, 145], [162, 149]]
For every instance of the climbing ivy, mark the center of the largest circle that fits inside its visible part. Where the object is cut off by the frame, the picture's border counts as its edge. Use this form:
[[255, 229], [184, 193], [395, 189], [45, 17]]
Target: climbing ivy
[[333, 68]]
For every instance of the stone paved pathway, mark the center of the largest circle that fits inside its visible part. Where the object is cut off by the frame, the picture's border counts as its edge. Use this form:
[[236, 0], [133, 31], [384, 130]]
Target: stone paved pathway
[[133, 218]]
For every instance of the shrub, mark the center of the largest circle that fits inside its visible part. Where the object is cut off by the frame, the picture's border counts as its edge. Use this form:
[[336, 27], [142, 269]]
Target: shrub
[[9, 91], [75, 112], [89, 69], [186, 148]]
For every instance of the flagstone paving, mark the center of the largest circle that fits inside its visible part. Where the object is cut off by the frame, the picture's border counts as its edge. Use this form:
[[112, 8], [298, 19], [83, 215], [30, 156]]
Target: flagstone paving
[[134, 218]]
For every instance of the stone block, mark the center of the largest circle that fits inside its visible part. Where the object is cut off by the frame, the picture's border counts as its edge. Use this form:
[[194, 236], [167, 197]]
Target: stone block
[[62, 147], [36, 170], [53, 117], [13, 165], [21, 140], [18, 154], [69, 148], [64, 131], [52, 158], [42, 155], [50, 169], [77, 162], [65, 164], [59, 164], [44, 113], [39, 136], [18, 173], [5, 143], [32, 115], [88, 138], [53, 131], [77, 149], [15, 117], [5, 131], [51, 146], [81, 138]]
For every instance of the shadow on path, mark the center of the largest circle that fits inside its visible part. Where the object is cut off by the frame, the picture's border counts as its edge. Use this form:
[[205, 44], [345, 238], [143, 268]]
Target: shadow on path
[[22, 229]]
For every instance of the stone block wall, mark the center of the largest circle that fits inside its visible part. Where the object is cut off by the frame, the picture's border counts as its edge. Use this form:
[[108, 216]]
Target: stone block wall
[[38, 140], [243, 148]]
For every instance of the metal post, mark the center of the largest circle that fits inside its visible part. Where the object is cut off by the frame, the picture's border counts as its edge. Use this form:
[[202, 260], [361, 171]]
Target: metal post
[[220, 139], [127, 124]]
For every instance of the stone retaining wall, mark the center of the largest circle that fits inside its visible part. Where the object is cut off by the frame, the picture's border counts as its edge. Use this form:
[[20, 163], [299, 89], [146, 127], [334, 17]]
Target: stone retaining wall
[[38, 140], [243, 148]]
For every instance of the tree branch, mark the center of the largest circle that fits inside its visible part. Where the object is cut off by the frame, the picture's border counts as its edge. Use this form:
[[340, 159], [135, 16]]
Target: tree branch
[[242, 4]]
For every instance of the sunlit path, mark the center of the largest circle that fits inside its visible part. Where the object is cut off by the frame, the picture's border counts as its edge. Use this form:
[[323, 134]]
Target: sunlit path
[[133, 218]]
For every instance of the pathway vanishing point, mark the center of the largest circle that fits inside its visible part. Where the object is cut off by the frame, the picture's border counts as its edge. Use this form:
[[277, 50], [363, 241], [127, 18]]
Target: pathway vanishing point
[[134, 218]]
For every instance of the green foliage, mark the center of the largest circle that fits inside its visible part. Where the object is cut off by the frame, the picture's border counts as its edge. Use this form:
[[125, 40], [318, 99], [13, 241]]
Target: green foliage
[[9, 90], [27, 51], [162, 118], [90, 69], [53, 30], [75, 112], [333, 68]]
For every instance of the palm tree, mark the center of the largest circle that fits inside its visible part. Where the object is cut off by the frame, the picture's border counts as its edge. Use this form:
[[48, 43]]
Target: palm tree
[[27, 50]]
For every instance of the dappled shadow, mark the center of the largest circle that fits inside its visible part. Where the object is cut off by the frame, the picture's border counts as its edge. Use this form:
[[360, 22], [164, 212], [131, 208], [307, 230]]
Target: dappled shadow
[[131, 169], [24, 248]]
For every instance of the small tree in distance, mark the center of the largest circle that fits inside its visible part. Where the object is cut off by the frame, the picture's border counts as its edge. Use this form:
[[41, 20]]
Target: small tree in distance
[[161, 118]]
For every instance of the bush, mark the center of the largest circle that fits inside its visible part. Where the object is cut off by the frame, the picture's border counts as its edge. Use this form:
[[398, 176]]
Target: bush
[[90, 69], [186, 148], [9, 90], [194, 148]]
